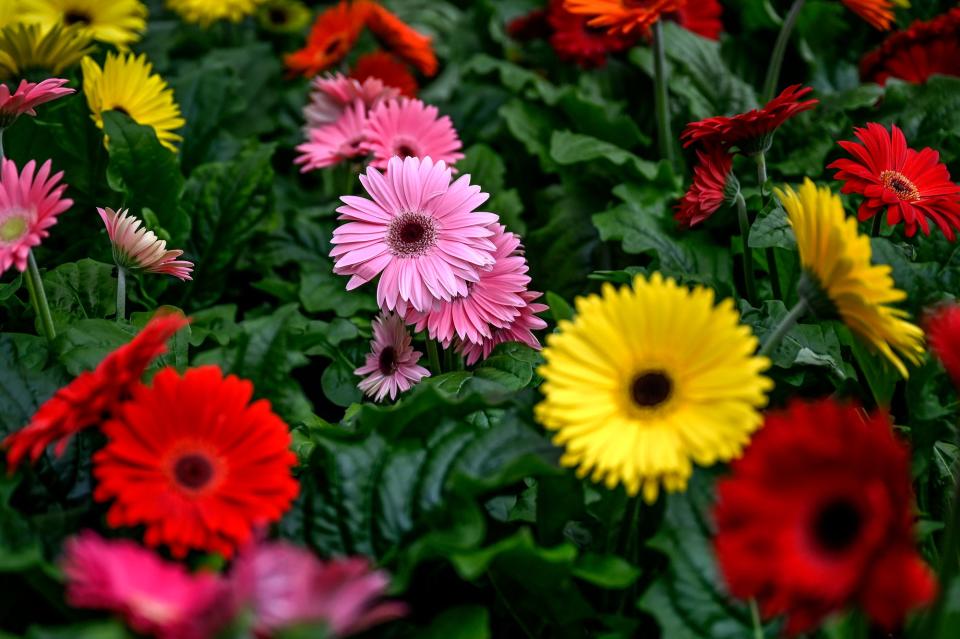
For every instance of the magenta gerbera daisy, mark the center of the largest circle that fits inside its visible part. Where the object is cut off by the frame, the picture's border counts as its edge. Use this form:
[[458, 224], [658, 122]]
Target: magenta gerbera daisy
[[391, 365], [27, 96], [29, 205], [492, 302], [422, 232], [332, 94], [519, 330], [334, 143], [410, 128]]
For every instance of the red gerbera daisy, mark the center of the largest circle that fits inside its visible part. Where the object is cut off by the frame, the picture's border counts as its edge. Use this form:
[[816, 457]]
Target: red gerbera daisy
[[386, 68], [918, 52], [93, 396], [530, 26], [702, 17], [331, 38], [751, 132], [911, 185], [624, 16], [943, 335], [195, 462], [576, 41], [401, 39], [707, 193], [818, 515]]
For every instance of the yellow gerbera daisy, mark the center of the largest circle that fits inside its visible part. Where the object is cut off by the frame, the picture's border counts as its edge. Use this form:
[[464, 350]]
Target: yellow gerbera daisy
[[9, 12], [836, 262], [284, 16], [205, 12], [125, 83], [27, 48], [117, 22], [647, 380]]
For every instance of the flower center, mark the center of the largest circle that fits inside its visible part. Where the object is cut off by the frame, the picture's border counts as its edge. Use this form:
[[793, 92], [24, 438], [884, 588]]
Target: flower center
[[76, 16], [277, 15], [193, 471], [651, 389], [12, 229], [351, 147], [405, 148], [388, 361], [332, 46], [412, 234], [837, 525], [899, 184]]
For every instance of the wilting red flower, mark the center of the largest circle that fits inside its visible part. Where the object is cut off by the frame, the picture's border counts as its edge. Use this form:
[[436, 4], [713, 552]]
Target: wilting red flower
[[911, 185], [576, 41], [401, 39], [386, 68], [751, 132], [701, 17], [93, 396], [818, 515], [530, 26], [331, 38], [918, 52], [943, 335], [879, 13], [195, 462], [707, 193], [624, 16]]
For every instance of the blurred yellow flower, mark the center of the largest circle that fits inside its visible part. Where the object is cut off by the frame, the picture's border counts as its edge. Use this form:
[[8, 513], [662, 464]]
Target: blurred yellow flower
[[206, 12], [26, 48], [117, 22]]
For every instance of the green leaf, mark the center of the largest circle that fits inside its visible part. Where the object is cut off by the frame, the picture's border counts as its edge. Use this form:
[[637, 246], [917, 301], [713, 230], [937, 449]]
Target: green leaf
[[511, 365], [340, 383], [559, 307], [520, 548], [606, 571], [19, 545], [24, 382], [80, 290], [325, 291], [772, 229], [568, 148], [880, 374], [90, 630], [85, 343], [486, 168], [464, 622]]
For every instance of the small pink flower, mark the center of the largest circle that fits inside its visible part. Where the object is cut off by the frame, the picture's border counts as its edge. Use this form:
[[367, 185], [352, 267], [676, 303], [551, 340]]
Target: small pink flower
[[391, 365], [332, 94], [410, 128], [419, 230], [27, 96], [521, 330], [492, 302], [286, 586], [154, 596], [29, 205], [334, 143], [136, 248]]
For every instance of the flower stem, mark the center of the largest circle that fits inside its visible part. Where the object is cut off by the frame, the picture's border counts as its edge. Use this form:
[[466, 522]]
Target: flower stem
[[121, 293], [627, 525], [39, 297], [949, 563], [748, 273], [755, 620], [788, 322], [3, 155], [877, 221], [761, 160], [664, 135], [779, 49], [434, 356]]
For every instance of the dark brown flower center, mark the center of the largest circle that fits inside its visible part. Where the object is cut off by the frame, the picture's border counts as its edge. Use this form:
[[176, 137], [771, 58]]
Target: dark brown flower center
[[193, 471], [277, 15], [405, 151], [900, 184], [836, 525], [75, 16], [412, 234], [333, 46], [388, 361], [651, 389]]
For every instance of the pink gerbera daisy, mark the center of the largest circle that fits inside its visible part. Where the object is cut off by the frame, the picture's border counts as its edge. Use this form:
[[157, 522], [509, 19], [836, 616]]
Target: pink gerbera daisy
[[155, 597], [492, 302], [420, 230], [331, 95], [27, 96], [29, 205], [391, 365], [137, 249], [334, 143], [410, 128], [520, 330]]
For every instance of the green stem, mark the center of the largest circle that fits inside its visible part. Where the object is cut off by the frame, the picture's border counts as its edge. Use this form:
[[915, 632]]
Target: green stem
[[779, 49], [434, 356], [877, 221], [761, 161], [627, 525], [748, 271], [40, 305], [949, 564], [3, 155], [665, 138], [786, 324], [121, 293], [755, 620]]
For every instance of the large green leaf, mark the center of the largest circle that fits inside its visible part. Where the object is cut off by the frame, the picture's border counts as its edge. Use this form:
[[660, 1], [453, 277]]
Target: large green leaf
[[80, 290], [25, 382]]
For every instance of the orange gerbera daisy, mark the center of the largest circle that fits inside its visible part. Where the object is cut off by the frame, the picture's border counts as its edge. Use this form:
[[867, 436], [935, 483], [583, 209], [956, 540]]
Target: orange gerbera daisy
[[401, 39], [624, 16], [879, 13], [195, 463], [331, 38]]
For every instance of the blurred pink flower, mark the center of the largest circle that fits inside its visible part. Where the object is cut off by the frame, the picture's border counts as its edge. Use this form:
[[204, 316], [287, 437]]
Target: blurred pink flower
[[392, 362], [520, 330], [410, 128], [334, 143], [27, 96], [29, 205], [155, 597], [332, 94], [136, 248], [422, 232]]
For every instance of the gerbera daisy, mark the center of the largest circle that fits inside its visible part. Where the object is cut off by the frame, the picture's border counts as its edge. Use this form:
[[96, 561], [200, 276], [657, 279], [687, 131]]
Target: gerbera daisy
[[420, 230], [409, 128], [92, 396], [126, 83], [331, 95], [943, 334], [647, 380], [137, 249], [401, 39], [520, 330], [118, 22], [701, 17], [26, 49], [818, 515], [713, 179], [531, 26], [751, 132], [155, 597], [913, 186], [27, 96], [284, 16], [391, 366], [195, 446], [576, 41], [913, 55], [624, 16], [492, 302], [384, 67], [30, 202], [331, 38], [206, 12], [836, 263], [333, 143], [879, 13]]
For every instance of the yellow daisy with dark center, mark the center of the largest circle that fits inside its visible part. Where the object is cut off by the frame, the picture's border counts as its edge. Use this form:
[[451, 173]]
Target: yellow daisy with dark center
[[117, 22], [32, 49]]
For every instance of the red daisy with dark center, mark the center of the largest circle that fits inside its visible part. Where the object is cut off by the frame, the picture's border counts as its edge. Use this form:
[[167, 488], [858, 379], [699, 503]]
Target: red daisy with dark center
[[750, 132], [576, 41], [943, 335], [924, 49], [331, 38], [711, 176], [913, 186], [818, 516], [195, 462], [401, 39]]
